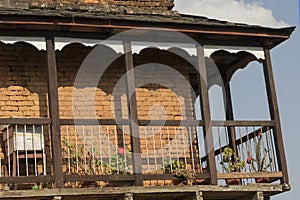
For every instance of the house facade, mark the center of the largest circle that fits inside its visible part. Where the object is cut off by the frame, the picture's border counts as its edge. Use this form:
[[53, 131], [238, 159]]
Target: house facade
[[102, 94]]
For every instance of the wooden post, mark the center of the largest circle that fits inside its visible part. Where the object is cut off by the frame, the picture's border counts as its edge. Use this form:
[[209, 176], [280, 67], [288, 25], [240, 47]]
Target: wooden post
[[258, 196], [274, 113], [128, 196], [133, 117], [54, 113], [198, 196], [205, 111], [229, 116]]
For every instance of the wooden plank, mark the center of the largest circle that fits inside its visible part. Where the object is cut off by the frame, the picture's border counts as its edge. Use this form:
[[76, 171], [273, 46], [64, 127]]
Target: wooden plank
[[93, 122], [127, 122], [171, 122], [25, 121], [205, 111], [249, 175], [54, 112], [133, 116], [171, 176], [274, 112], [26, 179], [243, 123], [229, 116], [116, 177]]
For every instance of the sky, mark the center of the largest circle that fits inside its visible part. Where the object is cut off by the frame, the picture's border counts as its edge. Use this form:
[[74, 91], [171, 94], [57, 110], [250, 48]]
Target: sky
[[271, 13]]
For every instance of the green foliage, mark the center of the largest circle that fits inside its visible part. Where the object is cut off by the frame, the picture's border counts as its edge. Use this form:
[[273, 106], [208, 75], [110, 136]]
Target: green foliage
[[81, 160], [119, 162], [230, 161], [170, 166]]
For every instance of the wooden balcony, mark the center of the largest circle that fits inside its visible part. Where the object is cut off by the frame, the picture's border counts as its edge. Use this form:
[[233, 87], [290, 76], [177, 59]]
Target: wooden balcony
[[101, 155]]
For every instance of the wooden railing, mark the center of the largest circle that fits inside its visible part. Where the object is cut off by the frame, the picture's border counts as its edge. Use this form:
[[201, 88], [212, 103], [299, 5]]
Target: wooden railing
[[101, 151]]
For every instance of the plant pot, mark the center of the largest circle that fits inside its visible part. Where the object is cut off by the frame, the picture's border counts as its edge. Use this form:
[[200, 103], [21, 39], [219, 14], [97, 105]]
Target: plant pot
[[201, 182], [262, 180], [233, 181], [177, 182], [120, 183], [89, 184]]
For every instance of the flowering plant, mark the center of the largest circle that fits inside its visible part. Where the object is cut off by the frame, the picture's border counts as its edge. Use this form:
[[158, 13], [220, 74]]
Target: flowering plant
[[263, 162], [119, 162]]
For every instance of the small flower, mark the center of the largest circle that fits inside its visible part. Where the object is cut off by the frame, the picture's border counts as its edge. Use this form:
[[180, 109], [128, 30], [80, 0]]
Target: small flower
[[249, 160], [260, 134], [121, 150]]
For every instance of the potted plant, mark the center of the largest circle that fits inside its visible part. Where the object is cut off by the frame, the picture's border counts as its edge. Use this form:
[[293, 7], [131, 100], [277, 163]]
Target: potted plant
[[187, 176], [231, 163], [171, 166], [119, 165], [81, 162], [261, 162]]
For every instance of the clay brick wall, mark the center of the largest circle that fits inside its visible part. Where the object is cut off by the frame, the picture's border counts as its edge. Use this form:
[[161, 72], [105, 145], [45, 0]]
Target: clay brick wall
[[23, 93]]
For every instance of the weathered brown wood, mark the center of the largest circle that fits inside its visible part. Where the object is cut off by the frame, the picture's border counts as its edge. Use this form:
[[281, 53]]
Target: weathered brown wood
[[127, 122], [26, 179], [229, 116], [117, 177], [205, 111], [249, 175], [171, 176], [133, 117], [25, 121], [243, 123], [93, 122], [54, 112], [274, 113], [209, 192], [171, 122]]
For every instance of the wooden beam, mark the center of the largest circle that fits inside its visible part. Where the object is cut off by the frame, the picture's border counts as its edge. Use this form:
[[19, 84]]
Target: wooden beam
[[229, 116], [274, 113], [133, 116], [54, 112], [25, 121], [249, 175], [205, 111]]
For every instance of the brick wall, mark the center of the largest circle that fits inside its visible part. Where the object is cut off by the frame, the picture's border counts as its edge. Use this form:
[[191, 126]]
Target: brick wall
[[23, 92], [114, 6]]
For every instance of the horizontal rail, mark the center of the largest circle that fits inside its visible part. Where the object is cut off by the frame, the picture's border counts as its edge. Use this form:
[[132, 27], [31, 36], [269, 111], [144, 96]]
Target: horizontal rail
[[25, 121], [243, 123], [250, 175], [171, 122], [126, 122], [117, 177], [172, 177], [26, 179], [93, 122]]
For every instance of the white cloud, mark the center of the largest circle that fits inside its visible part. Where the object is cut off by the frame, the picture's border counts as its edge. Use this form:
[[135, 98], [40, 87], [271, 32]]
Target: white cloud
[[230, 10]]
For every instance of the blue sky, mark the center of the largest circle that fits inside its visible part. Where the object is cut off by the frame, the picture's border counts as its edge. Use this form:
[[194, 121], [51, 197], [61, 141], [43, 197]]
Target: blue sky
[[275, 13]]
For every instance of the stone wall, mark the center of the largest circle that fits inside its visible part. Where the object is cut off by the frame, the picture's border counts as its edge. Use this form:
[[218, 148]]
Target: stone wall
[[163, 7]]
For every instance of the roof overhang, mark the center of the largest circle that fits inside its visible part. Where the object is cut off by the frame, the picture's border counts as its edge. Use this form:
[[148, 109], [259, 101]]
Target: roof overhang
[[37, 23]]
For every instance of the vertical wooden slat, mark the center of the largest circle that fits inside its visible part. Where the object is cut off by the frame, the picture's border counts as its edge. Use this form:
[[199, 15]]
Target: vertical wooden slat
[[205, 111], [229, 116], [134, 128], [274, 113], [54, 112]]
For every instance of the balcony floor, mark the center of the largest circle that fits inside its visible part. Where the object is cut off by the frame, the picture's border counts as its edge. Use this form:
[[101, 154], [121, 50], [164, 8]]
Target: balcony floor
[[149, 193]]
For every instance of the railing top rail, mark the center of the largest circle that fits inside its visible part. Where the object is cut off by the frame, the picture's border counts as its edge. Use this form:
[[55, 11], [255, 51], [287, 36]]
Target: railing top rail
[[244, 123], [25, 121]]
